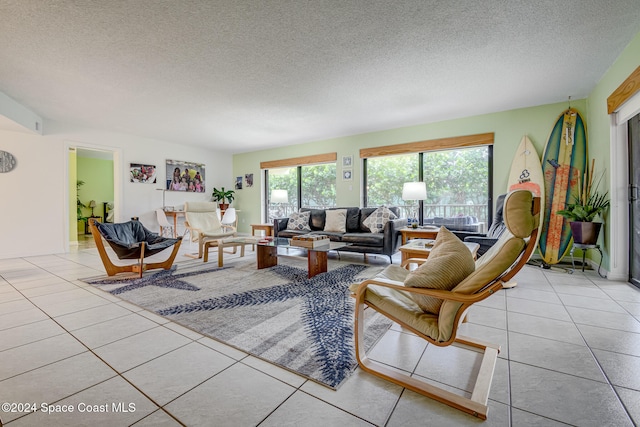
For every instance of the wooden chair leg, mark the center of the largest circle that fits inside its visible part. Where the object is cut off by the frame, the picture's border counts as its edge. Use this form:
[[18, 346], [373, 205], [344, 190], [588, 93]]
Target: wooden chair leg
[[109, 266], [168, 262], [200, 249]]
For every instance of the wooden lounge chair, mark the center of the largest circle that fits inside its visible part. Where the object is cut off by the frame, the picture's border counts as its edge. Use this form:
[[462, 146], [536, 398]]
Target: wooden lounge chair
[[131, 240], [388, 295], [201, 219]]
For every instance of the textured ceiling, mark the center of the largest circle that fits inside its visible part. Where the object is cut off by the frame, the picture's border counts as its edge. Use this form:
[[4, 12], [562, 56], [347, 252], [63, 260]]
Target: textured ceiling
[[240, 75]]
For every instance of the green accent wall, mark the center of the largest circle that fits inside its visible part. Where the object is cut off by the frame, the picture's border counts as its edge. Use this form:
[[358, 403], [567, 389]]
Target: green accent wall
[[73, 223], [98, 177], [508, 128], [600, 123]]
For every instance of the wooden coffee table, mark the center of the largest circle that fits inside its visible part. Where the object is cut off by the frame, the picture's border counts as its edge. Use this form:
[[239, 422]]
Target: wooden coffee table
[[420, 248], [267, 254]]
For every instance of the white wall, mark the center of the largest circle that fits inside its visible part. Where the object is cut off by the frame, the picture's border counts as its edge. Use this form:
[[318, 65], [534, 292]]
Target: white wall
[[33, 196]]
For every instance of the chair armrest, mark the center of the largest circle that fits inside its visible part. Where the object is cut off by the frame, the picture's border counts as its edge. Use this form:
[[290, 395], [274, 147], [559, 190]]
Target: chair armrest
[[231, 228], [462, 235], [436, 293], [392, 236], [195, 232], [279, 224]]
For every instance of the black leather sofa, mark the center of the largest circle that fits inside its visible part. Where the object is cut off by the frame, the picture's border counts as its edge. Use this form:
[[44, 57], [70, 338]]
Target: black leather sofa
[[361, 238]]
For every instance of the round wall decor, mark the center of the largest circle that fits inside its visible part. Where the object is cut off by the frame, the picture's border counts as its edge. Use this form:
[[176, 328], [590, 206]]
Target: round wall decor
[[7, 161]]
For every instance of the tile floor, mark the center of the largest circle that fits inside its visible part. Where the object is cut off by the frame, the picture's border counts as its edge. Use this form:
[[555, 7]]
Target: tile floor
[[571, 356]]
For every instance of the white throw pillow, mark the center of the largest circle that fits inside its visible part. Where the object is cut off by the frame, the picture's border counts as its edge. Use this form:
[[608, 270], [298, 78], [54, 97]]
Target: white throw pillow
[[336, 220], [378, 218], [299, 221]]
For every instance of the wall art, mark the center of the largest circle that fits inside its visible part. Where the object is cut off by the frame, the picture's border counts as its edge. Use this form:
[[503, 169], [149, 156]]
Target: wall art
[[185, 176], [7, 161], [141, 173]]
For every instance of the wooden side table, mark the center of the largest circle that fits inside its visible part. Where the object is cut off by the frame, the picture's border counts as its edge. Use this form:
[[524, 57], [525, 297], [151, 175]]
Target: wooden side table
[[267, 228], [421, 248], [409, 233], [86, 222]]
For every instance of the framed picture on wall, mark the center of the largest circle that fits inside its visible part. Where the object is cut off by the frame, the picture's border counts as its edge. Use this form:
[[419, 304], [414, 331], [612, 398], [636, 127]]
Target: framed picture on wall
[[238, 183], [248, 179], [185, 176], [347, 161], [141, 173], [347, 174]]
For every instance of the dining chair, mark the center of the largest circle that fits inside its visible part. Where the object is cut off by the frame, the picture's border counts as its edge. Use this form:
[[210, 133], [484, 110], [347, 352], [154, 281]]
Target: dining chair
[[166, 228]]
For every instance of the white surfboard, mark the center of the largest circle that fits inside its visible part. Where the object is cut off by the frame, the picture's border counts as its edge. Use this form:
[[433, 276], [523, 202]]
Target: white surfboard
[[526, 173]]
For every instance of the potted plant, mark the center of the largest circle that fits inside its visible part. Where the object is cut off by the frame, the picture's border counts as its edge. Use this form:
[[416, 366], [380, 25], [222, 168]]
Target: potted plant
[[222, 196], [81, 205], [586, 207]]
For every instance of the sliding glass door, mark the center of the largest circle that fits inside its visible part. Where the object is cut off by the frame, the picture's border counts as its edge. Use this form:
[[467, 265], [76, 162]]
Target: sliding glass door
[[634, 200], [290, 188]]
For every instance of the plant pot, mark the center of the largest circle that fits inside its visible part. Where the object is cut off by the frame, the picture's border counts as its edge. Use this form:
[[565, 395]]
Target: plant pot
[[585, 233], [223, 206]]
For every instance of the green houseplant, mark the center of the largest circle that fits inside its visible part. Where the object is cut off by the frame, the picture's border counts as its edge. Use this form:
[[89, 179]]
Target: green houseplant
[[80, 183], [586, 207], [222, 196]]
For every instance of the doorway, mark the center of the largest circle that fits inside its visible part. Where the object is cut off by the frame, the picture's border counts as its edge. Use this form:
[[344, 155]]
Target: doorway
[[634, 199], [92, 189]]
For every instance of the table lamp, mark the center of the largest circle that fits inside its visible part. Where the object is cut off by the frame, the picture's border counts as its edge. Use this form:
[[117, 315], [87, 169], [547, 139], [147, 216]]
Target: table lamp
[[414, 191], [279, 196], [92, 205]]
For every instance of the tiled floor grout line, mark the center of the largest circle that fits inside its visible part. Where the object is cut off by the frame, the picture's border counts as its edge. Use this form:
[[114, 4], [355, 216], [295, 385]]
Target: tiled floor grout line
[[596, 360], [398, 398], [506, 315], [117, 372], [238, 361]]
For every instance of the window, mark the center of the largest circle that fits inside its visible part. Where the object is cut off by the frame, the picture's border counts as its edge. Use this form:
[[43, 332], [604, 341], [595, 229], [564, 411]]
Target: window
[[457, 172], [296, 185], [457, 183], [282, 192], [318, 186], [385, 176]]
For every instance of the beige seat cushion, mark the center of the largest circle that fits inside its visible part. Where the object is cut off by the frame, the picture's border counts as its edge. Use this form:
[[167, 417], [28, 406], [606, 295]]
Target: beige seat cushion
[[449, 263], [401, 307]]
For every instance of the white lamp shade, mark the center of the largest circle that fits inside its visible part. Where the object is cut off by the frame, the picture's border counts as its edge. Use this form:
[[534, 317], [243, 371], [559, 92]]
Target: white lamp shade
[[414, 191], [279, 196]]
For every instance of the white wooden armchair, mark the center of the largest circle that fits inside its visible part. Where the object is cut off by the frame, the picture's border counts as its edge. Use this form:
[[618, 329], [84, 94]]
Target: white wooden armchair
[[390, 295], [201, 219]]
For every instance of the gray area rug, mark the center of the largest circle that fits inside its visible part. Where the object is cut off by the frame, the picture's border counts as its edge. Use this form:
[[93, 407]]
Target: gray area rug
[[277, 314]]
